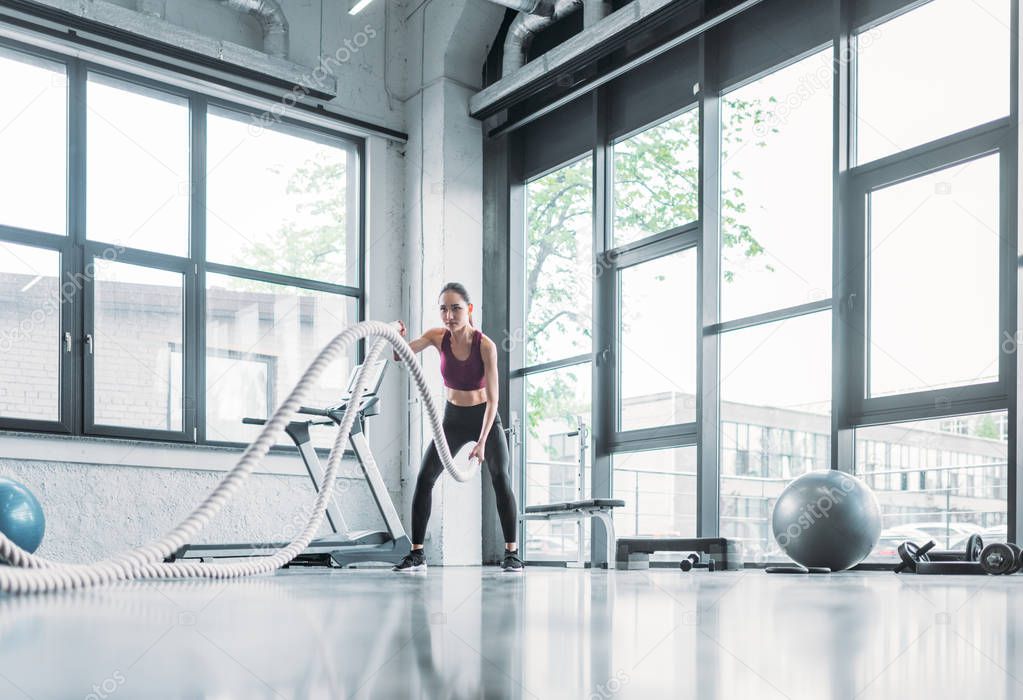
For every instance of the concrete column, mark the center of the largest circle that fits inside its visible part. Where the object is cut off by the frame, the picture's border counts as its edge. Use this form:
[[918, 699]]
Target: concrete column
[[446, 42]]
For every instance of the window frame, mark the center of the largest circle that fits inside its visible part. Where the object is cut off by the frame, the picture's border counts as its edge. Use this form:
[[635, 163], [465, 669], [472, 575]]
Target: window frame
[[518, 370], [77, 311], [993, 138], [682, 239], [851, 408], [653, 236]]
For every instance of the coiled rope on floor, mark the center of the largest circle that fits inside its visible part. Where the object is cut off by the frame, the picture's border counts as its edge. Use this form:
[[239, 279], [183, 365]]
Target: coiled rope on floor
[[29, 573]]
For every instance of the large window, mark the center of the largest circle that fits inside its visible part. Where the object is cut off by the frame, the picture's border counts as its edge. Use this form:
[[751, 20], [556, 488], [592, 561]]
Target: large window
[[776, 190], [559, 264], [281, 201], [33, 143], [653, 268], [29, 332], [260, 337], [933, 249], [803, 258], [940, 479], [139, 320], [658, 342], [917, 65], [558, 335], [656, 181], [557, 401], [775, 258], [659, 490], [775, 419], [127, 309], [137, 156]]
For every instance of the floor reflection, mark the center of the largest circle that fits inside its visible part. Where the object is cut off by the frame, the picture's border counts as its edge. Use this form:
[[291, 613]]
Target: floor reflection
[[470, 633]]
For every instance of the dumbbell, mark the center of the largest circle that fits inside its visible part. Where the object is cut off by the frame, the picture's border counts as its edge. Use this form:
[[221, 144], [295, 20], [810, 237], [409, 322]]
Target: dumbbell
[[1019, 557], [692, 561], [1000, 558], [689, 562], [911, 554], [974, 546]]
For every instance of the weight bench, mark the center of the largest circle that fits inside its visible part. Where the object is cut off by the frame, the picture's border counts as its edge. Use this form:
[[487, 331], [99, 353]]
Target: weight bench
[[634, 552], [600, 508]]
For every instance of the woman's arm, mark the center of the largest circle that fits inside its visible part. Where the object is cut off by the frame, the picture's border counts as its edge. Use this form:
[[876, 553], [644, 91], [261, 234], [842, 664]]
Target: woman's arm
[[489, 351], [421, 343]]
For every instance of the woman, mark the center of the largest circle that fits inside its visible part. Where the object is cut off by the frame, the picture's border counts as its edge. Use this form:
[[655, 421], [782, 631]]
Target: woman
[[468, 363]]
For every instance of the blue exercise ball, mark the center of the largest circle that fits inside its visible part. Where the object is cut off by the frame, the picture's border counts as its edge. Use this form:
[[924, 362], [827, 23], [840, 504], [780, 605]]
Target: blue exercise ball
[[21, 516], [828, 519]]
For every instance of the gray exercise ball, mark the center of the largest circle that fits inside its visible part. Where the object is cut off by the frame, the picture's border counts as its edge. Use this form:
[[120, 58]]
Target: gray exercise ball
[[827, 518]]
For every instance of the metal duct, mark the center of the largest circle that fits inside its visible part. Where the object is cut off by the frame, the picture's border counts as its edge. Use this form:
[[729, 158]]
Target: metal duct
[[271, 19], [545, 13], [527, 25]]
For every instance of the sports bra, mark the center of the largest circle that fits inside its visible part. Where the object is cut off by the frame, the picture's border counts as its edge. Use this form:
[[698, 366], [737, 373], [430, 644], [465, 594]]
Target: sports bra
[[464, 375]]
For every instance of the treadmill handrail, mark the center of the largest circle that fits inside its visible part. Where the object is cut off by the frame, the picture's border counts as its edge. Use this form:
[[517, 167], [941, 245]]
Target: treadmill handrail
[[262, 421]]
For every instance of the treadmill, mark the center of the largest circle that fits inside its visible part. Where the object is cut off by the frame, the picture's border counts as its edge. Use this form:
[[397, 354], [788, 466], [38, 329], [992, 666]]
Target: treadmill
[[343, 547]]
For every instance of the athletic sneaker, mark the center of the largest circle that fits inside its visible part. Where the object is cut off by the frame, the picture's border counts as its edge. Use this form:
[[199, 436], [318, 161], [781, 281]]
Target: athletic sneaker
[[413, 561], [512, 563]]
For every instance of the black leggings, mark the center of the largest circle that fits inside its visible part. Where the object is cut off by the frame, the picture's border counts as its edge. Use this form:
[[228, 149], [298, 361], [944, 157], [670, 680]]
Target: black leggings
[[462, 424]]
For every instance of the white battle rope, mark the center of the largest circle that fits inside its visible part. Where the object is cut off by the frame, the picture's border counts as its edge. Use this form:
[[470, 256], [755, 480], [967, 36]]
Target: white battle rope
[[29, 573]]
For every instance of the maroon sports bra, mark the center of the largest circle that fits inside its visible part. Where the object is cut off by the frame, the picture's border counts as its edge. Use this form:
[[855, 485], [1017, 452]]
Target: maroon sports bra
[[464, 375]]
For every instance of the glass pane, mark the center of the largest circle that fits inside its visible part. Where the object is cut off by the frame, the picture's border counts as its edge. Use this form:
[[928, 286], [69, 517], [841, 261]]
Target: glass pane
[[656, 179], [940, 480], [934, 280], [260, 338], [33, 143], [931, 72], [659, 490], [137, 351], [29, 333], [555, 402], [138, 158], [658, 366], [775, 421], [776, 190], [280, 202], [559, 264]]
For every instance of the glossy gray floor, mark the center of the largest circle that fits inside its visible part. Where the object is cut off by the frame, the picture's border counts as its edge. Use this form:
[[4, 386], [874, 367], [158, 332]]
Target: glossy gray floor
[[550, 633]]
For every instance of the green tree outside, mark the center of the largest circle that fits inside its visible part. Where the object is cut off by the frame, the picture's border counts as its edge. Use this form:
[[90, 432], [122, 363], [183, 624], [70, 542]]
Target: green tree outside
[[656, 176]]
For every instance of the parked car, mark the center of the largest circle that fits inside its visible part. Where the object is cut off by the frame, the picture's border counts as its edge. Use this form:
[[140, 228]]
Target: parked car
[[998, 533], [945, 534], [887, 545]]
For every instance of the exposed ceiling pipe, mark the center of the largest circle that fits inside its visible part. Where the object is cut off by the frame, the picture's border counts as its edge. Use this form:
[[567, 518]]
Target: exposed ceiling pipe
[[527, 25], [271, 19], [529, 22]]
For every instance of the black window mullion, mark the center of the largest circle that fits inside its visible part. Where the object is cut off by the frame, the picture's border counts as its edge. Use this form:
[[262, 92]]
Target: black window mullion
[[195, 292], [74, 389], [1011, 312], [279, 279], [359, 185], [847, 265], [708, 409], [601, 483]]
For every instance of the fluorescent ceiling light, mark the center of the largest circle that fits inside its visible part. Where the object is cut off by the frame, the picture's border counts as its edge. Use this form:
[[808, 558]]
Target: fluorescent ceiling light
[[357, 7]]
